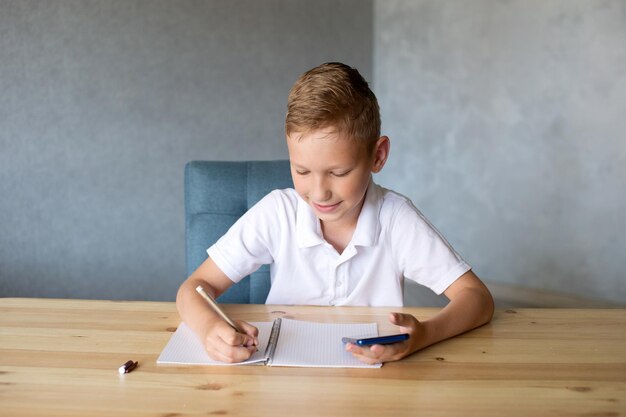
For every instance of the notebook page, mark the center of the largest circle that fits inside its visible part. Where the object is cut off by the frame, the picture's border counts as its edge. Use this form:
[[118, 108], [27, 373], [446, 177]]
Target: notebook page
[[184, 348], [319, 345]]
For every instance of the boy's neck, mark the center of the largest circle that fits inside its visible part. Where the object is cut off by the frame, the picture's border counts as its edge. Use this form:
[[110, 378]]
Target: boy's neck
[[339, 237], [339, 234]]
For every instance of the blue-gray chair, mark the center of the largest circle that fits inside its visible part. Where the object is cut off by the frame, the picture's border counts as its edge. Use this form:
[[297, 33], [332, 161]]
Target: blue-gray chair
[[217, 193]]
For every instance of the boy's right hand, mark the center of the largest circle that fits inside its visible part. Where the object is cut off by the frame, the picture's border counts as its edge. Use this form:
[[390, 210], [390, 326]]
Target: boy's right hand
[[225, 344]]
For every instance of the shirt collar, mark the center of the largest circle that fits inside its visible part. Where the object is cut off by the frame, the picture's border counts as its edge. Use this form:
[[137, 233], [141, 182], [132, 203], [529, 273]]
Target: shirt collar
[[368, 225], [309, 230], [308, 227]]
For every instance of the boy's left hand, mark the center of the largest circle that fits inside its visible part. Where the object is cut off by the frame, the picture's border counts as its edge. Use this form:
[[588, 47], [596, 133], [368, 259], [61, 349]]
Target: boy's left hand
[[395, 351]]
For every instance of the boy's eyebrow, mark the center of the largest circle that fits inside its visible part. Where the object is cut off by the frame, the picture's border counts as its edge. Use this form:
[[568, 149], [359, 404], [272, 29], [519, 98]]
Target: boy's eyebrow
[[298, 166], [332, 168]]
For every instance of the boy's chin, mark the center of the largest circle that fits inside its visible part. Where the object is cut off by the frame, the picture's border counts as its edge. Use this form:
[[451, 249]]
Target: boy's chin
[[331, 218], [326, 217]]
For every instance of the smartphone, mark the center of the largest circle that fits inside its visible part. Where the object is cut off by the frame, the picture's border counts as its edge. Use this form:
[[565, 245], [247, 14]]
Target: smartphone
[[379, 340]]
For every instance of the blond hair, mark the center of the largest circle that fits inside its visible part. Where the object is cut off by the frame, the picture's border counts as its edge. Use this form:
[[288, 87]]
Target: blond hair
[[334, 95]]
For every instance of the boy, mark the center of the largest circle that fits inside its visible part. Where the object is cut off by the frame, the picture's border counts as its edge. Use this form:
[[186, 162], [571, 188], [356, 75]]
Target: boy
[[337, 238]]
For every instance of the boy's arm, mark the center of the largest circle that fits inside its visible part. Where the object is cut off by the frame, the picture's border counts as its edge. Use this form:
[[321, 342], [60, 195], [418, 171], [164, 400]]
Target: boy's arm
[[221, 341], [471, 305]]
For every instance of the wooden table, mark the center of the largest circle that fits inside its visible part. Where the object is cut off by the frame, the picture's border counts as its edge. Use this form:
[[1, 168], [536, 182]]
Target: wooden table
[[60, 358]]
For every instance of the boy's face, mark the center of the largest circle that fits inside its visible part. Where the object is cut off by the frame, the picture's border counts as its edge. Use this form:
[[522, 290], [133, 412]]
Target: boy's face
[[332, 172]]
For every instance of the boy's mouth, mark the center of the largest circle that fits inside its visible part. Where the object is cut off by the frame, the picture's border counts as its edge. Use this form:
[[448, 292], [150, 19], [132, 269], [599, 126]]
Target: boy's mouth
[[325, 208]]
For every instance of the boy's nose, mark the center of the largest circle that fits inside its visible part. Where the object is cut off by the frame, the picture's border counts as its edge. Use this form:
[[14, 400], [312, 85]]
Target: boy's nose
[[321, 191]]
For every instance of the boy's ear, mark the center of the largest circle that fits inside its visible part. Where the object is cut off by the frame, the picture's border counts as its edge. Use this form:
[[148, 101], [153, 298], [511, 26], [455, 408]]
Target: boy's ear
[[381, 152]]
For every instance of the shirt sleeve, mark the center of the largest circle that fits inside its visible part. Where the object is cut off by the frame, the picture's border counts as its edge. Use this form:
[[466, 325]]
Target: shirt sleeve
[[247, 244], [423, 254]]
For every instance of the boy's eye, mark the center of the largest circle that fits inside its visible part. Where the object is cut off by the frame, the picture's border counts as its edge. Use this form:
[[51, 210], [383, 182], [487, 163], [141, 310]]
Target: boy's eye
[[302, 172], [340, 174]]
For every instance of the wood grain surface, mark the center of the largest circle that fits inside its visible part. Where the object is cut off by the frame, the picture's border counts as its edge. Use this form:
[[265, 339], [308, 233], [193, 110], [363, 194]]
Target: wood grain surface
[[60, 358]]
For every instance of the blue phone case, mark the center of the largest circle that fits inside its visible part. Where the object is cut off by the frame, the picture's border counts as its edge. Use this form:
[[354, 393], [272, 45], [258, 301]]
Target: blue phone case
[[380, 340]]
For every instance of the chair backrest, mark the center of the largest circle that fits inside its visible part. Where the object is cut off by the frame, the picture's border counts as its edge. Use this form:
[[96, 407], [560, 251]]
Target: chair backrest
[[217, 193]]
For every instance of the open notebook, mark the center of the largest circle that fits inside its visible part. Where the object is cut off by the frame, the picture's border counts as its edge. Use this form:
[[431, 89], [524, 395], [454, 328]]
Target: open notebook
[[284, 342]]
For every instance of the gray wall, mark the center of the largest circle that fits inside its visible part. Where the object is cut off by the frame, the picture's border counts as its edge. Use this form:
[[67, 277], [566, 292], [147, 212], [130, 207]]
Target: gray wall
[[508, 123], [103, 102], [506, 118]]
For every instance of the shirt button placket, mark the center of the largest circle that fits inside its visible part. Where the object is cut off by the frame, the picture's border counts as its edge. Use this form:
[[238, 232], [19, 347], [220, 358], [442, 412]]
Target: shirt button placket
[[336, 282], [340, 281], [333, 279]]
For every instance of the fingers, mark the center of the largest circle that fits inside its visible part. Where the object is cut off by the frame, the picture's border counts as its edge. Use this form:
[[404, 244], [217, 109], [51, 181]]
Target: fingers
[[251, 331], [406, 321], [378, 353], [394, 351], [225, 344], [231, 355]]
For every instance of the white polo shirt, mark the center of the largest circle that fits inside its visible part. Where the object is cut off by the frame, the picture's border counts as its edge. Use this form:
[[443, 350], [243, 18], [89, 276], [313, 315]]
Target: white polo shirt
[[392, 240]]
